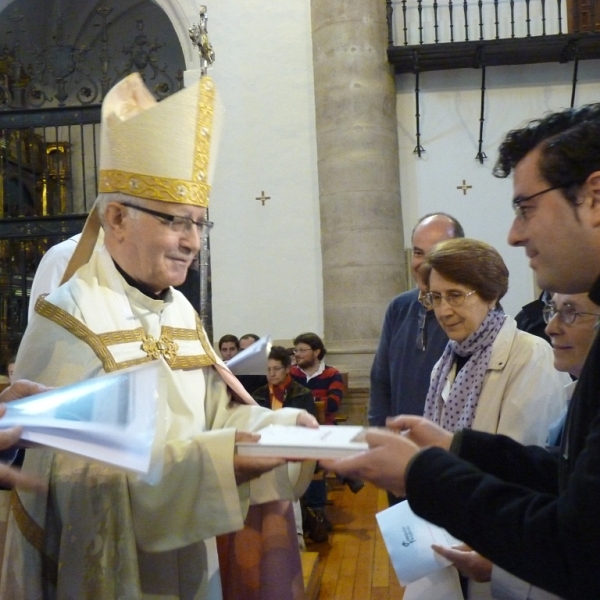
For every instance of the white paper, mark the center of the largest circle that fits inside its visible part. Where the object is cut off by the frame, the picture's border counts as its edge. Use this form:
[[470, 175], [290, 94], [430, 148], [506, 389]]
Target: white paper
[[252, 360], [116, 419], [289, 441], [408, 540], [443, 584]]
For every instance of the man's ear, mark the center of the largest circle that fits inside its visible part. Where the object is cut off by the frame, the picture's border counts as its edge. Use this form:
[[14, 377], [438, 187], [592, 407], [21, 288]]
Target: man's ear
[[114, 219]]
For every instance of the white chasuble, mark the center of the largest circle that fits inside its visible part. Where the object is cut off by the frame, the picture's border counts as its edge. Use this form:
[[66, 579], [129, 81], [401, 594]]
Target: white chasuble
[[98, 532]]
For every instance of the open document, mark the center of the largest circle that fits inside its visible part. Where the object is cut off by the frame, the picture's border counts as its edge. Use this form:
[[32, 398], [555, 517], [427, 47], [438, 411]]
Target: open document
[[116, 418], [290, 441], [408, 540], [252, 360]]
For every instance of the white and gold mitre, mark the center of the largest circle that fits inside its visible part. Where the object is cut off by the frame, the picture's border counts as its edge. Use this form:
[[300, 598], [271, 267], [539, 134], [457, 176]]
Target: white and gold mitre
[[158, 150]]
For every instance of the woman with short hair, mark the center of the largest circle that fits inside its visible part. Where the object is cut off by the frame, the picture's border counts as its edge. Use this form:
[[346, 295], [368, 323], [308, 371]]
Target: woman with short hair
[[491, 376]]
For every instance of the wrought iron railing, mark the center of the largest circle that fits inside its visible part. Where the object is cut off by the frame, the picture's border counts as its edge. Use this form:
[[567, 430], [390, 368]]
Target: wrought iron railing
[[427, 35], [432, 22]]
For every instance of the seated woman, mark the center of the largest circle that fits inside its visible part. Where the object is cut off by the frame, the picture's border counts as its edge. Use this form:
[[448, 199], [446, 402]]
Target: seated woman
[[571, 320], [281, 390], [491, 376]]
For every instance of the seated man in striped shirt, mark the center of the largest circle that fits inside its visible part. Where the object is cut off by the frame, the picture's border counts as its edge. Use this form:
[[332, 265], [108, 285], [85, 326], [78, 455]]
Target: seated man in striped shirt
[[324, 382]]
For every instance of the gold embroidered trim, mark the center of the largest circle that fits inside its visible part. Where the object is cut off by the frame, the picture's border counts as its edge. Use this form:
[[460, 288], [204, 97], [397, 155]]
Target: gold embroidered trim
[[179, 333], [150, 187], [121, 337], [187, 363], [134, 362], [34, 534], [196, 191], [204, 127], [79, 330], [98, 342], [203, 341]]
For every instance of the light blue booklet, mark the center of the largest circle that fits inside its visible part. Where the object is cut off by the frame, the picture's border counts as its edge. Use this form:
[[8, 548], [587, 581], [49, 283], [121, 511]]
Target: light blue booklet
[[117, 418]]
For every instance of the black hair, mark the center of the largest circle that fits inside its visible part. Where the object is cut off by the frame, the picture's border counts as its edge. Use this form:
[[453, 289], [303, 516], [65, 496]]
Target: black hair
[[229, 338], [281, 354], [312, 340], [569, 143]]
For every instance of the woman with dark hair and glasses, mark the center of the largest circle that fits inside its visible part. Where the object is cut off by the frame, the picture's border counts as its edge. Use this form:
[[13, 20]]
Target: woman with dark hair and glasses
[[491, 377]]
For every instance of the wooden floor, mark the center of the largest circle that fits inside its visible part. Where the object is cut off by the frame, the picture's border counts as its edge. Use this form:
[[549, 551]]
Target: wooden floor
[[354, 564]]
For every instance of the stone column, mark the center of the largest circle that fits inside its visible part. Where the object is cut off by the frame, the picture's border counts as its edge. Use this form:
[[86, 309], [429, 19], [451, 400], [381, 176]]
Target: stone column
[[362, 243]]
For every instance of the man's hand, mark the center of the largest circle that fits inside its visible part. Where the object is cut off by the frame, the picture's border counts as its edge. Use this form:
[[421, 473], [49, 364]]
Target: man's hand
[[467, 561], [246, 468], [21, 389], [307, 420], [421, 431], [384, 464], [9, 437]]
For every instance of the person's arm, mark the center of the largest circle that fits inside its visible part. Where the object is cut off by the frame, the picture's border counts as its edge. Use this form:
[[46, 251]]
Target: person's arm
[[335, 392], [551, 541], [380, 401], [10, 477], [508, 587], [499, 455]]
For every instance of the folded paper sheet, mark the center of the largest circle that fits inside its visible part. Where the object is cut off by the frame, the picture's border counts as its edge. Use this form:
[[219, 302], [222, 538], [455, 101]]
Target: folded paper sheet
[[408, 540], [252, 360], [116, 419]]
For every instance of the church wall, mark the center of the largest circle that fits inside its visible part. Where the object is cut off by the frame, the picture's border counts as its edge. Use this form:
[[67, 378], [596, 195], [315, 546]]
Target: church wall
[[450, 109], [266, 260]]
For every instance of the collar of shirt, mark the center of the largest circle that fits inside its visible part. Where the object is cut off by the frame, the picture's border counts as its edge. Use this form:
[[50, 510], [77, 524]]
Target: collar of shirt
[[316, 373], [140, 286]]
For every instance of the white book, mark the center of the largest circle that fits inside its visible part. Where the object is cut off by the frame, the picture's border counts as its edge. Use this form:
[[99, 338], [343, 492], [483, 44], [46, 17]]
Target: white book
[[288, 441]]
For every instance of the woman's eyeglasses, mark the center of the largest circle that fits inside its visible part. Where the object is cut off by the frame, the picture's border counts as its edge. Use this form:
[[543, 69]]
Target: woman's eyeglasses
[[566, 313], [434, 299]]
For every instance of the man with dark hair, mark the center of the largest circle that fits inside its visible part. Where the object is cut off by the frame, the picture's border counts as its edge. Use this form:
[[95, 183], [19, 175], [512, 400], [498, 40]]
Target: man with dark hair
[[229, 346], [411, 340], [325, 383], [532, 513], [247, 340]]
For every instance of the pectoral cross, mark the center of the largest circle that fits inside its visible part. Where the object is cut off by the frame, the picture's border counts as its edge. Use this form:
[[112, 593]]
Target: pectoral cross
[[263, 198], [464, 187]]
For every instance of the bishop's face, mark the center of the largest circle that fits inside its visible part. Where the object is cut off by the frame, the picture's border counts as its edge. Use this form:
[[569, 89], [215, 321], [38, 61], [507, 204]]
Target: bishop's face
[[153, 252]]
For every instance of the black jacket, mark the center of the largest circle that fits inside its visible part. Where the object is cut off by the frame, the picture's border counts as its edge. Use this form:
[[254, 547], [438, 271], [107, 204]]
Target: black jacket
[[534, 514], [296, 396]]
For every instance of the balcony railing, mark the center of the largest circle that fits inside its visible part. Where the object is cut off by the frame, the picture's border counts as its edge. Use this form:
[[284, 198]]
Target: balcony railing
[[428, 35]]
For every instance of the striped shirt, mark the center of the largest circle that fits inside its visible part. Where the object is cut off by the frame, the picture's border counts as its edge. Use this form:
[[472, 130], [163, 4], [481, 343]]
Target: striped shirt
[[326, 384]]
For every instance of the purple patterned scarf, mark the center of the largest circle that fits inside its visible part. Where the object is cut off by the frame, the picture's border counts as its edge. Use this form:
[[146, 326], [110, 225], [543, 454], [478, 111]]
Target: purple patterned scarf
[[458, 411]]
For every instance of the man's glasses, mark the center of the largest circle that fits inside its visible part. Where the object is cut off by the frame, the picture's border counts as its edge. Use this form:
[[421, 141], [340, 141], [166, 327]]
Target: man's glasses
[[301, 350], [434, 299], [521, 211], [275, 369], [567, 313], [176, 223]]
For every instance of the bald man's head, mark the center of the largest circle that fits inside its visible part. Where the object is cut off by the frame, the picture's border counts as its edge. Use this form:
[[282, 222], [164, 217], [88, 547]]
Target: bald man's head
[[429, 231]]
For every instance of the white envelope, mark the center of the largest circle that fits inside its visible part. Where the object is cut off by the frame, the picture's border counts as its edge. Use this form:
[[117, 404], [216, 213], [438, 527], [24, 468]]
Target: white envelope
[[408, 540]]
